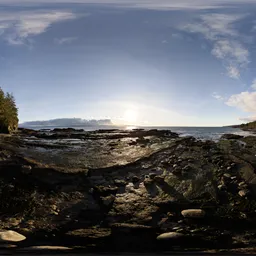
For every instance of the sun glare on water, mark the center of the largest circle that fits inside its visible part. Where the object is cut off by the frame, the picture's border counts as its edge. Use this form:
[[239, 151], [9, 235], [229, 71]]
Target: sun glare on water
[[130, 116]]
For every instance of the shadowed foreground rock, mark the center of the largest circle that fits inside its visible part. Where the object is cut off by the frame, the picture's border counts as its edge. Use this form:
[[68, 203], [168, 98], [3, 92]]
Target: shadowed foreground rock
[[117, 191]]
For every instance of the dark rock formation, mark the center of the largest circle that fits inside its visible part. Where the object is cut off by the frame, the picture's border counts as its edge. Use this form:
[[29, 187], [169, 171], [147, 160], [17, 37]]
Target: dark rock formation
[[231, 136]]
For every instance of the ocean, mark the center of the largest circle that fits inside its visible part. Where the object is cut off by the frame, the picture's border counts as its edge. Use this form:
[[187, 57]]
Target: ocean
[[203, 133]]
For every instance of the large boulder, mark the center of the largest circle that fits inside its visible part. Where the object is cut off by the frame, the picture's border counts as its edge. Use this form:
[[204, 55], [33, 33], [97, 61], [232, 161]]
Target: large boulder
[[11, 236], [231, 137]]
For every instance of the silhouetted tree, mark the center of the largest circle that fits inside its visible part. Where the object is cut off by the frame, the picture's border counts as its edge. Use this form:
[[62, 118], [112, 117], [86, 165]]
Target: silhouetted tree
[[8, 113]]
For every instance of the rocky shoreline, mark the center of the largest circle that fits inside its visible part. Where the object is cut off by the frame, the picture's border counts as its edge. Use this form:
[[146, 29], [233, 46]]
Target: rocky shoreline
[[127, 191]]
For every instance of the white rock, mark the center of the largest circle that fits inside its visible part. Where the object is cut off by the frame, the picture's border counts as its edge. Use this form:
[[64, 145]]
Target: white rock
[[244, 192], [242, 184], [222, 187], [54, 207], [193, 213], [169, 236], [11, 236]]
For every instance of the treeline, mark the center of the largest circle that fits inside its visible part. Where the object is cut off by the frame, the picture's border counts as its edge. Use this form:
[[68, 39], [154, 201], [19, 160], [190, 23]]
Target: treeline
[[251, 125], [8, 113]]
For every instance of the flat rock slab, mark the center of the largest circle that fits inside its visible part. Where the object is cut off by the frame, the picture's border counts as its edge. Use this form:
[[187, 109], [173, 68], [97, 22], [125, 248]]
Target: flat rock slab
[[130, 226], [92, 233], [46, 248], [193, 213]]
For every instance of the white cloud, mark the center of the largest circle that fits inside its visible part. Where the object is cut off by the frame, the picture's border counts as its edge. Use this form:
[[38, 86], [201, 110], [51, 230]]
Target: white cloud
[[65, 40], [253, 86], [231, 50], [17, 27], [248, 119], [245, 101], [220, 30], [212, 26], [233, 72], [217, 96]]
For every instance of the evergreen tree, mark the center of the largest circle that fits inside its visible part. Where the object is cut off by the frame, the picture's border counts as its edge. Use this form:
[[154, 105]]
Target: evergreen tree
[[8, 113], [2, 103]]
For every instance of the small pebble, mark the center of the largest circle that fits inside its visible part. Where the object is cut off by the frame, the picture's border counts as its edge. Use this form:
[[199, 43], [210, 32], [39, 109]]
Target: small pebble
[[241, 184], [244, 192], [222, 187], [170, 236], [170, 214]]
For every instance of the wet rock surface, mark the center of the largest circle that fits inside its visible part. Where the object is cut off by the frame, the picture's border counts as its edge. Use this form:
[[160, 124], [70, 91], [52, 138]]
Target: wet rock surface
[[127, 190]]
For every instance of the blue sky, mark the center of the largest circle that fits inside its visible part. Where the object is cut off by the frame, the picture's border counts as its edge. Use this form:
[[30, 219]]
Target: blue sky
[[176, 62]]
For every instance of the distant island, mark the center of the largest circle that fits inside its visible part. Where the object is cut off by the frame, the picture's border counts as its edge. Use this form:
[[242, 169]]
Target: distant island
[[67, 122]]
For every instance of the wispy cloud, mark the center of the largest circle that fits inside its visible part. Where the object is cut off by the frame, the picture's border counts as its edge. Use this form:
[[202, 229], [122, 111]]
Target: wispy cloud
[[253, 86], [217, 96], [220, 30], [146, 4], [233, 72], [65, 40], [17, 27], [231, 50], [248, 119]]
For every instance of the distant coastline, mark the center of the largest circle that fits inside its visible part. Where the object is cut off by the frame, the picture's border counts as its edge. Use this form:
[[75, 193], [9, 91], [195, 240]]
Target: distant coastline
[[251, 126], [67, 122]]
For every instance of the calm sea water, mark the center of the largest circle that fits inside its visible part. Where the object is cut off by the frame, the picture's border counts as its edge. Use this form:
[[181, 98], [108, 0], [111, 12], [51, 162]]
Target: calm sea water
[[208, 133], [204, 133]]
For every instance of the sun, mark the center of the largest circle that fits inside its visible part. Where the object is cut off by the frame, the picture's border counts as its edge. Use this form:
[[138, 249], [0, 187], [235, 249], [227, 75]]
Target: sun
[[130, 116]]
